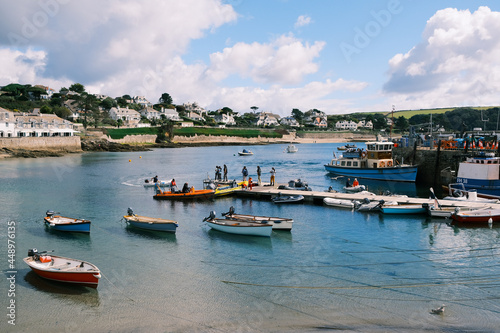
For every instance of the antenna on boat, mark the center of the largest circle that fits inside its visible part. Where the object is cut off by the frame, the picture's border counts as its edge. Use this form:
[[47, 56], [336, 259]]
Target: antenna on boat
[[392, 122]]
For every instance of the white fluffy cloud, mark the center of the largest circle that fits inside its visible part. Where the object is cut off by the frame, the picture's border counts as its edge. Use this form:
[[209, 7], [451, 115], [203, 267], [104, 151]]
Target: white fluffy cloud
[[137, 47], [285, 60], [456, 64], [302, 20]]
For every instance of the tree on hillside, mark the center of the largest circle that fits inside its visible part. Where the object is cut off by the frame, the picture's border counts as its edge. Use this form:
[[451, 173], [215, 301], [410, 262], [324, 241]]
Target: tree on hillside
[[62, 112], [77, 87], [226, 110], [298, 115], [87, 103], [122, 102], [254, 108], [165, 99], [108, 103], [36, 92], [401, 124]]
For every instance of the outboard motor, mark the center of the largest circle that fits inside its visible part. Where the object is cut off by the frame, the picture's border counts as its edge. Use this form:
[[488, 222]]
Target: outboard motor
[[366, 201], [50, 213], [130, 212], [210, 217], [32, 252]]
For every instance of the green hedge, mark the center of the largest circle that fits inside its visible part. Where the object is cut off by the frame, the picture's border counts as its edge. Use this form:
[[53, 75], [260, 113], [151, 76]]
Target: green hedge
[[120, 133]]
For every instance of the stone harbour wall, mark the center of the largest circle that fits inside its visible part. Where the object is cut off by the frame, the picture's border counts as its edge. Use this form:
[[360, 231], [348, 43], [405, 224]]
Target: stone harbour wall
[[63, 143]]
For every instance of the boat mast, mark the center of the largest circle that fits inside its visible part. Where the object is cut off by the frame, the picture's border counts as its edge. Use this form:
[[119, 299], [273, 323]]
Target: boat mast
[[392, 123]]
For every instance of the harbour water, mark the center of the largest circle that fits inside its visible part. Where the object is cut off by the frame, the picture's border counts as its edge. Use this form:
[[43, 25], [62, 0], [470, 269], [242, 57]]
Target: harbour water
[[336, 270]]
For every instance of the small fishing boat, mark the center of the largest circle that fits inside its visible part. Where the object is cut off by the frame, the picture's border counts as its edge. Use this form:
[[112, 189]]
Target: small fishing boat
[[248, 228], [63, 269], [278, 223], [347, 146], [292, 149], [61, 223], [480, 216], [280, 199], [354, 189], [341, 203], [403, 209], [150, 223], [161, 183], [245, 152], [178, 195]]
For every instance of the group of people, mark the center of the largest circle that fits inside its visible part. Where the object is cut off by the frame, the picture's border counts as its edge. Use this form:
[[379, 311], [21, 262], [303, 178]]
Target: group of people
[[244, 172], [218, 173]]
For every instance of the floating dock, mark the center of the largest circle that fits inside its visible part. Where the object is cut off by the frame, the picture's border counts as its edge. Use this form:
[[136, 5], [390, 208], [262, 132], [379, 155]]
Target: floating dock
[[266, 192]]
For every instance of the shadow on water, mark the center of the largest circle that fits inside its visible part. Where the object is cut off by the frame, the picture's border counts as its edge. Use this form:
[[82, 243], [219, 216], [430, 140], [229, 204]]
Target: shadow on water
[[67, 291], [263, 242]]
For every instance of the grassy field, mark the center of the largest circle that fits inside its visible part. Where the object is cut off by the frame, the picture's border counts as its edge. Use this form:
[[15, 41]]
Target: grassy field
[[119, 133], [410, 113]]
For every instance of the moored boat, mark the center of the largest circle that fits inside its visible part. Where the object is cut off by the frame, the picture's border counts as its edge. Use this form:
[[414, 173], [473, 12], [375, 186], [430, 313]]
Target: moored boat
[[375, 162], [480, 216], [278, 223], [295, 184], [150, 223], [69, 224], [281, 199], [354, 189], [292, 148], [63, 269], [223, 188], [403, 209], [248, 228], [245, 152], [341, 203]]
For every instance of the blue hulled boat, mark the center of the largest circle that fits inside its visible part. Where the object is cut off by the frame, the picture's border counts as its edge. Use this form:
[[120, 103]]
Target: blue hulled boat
[[375, 162], [480, 173], [61, 223]]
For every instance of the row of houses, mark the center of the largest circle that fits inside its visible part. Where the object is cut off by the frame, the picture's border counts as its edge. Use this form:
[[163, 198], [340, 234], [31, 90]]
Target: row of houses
[[34, 124]]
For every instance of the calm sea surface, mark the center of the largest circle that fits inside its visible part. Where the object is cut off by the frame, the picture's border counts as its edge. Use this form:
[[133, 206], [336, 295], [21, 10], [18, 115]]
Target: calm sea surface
[[337, 269]]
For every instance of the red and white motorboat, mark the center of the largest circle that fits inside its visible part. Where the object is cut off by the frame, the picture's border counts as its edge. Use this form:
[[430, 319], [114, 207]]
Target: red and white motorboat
[[480, 216], [63, 269]]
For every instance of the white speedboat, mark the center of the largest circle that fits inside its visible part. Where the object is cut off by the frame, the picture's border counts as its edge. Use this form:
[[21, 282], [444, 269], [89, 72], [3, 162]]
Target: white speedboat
[[292, 149]]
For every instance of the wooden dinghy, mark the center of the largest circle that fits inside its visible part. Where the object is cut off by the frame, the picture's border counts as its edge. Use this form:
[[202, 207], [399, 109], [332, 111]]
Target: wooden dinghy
[[150, 223], [278, 223], [62, 223], [63, 269], [248, 228]]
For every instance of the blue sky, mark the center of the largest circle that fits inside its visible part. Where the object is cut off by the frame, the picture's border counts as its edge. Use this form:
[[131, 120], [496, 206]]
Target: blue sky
[[336, 56]]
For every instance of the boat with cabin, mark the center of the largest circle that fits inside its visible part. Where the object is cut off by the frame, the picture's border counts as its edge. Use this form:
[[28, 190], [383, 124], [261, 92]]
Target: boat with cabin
[[245, 152], [292, 148], [374, 162], [480, 173]]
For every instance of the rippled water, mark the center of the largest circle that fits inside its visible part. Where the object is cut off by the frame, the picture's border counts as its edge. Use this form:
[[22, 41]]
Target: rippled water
[[337, 269]]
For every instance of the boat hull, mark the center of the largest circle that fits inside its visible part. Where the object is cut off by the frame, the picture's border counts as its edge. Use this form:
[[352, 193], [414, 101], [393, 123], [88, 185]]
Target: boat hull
[[242, 228], [152, 224], [60, 223], [196, 195], [89, 278], [481, 216], [485, 187], [403, 209], [288, 199], [398, 173], [340, 203]]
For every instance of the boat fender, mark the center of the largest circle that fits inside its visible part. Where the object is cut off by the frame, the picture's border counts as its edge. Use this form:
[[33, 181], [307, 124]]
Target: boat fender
[[363, 154], [389, 163]]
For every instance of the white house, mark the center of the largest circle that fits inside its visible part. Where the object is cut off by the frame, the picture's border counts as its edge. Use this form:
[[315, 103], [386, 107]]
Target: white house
[[267, 119], [319, 122], [224, 118], [150, 113], [194, 116], [35, 124], [129, 116], [346, 125], [142, 101], [194, 107], [289, 121], [365, 124], [170, 114]]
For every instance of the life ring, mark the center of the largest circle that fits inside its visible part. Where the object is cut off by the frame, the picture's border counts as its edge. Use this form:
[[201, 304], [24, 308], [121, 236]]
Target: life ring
[[382, 164], [363, 154], [389, 163]]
